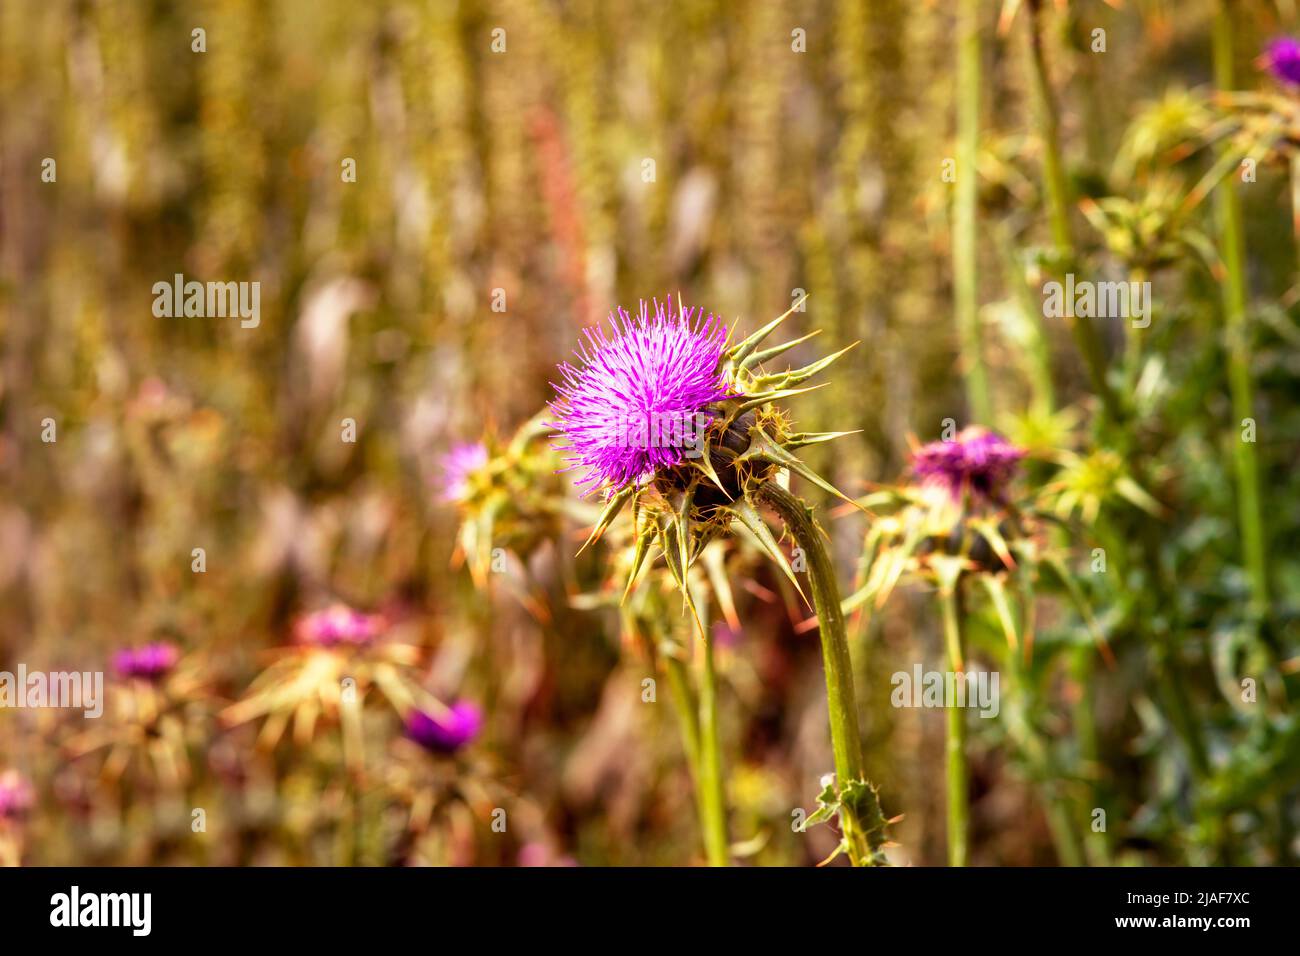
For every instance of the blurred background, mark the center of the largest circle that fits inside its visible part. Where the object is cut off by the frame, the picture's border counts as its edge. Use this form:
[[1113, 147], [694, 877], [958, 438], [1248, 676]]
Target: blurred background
[[521, 168]]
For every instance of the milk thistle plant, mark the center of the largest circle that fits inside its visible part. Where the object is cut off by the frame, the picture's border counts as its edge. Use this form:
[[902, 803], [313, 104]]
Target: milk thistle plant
[[337, 657], [665, 415], [957, 526], [510, 503], [158, 704]]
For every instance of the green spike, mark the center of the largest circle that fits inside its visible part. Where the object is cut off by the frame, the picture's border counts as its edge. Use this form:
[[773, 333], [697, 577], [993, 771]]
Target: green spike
[[683, 520], [748, 515], [645, 537], [763, 398], [803, 439], [608, 514], [795, 376], [988, 530], [763, 448], [998, 595], [758, 358], [705, 464], [745, 347], [672, 552]]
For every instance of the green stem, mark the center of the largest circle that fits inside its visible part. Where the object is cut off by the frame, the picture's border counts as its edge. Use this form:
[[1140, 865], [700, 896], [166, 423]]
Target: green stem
[[1057, 188], [688, 717], [955, 746], [1239, 378], [713, 806], [1062, 826], [841, 702], [1082, 666], [687, 711], [965, 241]]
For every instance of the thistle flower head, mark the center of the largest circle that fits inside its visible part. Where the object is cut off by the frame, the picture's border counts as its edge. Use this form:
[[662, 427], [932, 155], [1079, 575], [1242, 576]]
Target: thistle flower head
[[325, 676], [458, 466], [727, 436], [1283, 59], [977, 461], [149, 662], [657, 370], [338, 625], [448, 731], [16, 795]]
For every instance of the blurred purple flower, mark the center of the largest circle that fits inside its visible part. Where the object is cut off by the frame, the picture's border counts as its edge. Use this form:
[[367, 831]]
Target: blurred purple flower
[[457, 465], [338, 624], [16, 796], [148, 662], [448, 731], [658, 370], [977, 460], [724, 635], [1283, 59]]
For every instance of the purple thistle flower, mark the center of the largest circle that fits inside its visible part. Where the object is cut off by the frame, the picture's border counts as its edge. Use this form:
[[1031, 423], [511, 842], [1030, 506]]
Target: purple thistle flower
[[448, 731], [457, 465], [338, 624], [16, 796], [657, 372], [149, 662], [977, 460], [1283, 59]]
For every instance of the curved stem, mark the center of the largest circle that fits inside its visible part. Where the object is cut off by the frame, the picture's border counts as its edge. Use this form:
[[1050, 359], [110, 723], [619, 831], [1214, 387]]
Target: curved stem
[[841, 702], [955, 746]]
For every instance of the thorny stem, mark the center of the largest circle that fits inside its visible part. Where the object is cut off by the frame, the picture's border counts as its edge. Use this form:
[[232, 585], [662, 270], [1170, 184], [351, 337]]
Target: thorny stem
[[1234, 296], [841, 702], [955, 745], [965, 242]]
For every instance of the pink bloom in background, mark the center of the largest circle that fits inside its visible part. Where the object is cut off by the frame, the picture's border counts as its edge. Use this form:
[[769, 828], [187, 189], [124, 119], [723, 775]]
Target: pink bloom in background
[[338, 625], [724, 635], [657, 369], [448, 731], [1283, 59], [539, 854], [977, 461], [147, 662], [16, 795], [457, 465]]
